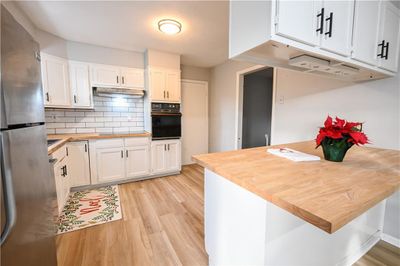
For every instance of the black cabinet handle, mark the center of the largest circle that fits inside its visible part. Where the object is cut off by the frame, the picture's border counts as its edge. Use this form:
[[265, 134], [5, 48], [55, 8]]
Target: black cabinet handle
[[85, 147], [66, 150], [164, 94], [382, 45], [123, 80], [122, 154], [321, 23], [168, 94], [168, 146], [117, 79], [126, 153], [66, 171], [165, 147], [47, 97], [387, 51], [74, 98], [330, 19]]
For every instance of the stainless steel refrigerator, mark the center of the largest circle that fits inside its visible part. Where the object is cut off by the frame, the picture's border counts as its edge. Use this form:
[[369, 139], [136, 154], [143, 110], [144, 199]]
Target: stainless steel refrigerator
[[28, 198]]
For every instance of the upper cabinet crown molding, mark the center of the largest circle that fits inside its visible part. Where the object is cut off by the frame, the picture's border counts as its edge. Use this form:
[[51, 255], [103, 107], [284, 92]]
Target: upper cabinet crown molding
[[318, 28]]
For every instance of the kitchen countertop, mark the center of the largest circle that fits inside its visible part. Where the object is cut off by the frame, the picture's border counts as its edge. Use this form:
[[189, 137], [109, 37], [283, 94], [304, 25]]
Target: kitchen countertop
[[64, 138], [325, 194]]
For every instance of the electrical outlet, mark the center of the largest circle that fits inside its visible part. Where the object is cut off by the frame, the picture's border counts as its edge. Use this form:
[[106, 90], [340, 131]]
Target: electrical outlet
[[281, 99]]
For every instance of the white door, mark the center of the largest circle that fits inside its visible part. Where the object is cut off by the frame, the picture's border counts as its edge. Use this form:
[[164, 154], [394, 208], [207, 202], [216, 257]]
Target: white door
[[137, 161], [157, 85], [132, 78], [365, 33], [55, 79], [338, 26], [390, 34], [298, 20], [173, 157], [78, 161], [194, 110], [110, 164], [104, 75], [173, 86], [158, 156], [80, 84]]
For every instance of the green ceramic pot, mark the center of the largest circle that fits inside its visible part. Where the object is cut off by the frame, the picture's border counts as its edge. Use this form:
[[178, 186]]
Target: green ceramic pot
[[335, 149]]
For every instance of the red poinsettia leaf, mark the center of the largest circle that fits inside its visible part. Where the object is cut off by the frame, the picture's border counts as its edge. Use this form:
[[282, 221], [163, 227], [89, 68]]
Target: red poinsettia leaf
[[358, 138], [328, 122], [352, 126], [340, 122]]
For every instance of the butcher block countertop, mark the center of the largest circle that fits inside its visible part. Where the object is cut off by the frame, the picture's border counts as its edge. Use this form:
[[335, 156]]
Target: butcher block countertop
[[64, 138], [325, 194]]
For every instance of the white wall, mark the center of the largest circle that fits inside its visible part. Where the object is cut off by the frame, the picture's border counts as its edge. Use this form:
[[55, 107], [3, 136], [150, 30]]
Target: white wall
[[307, 101], [195, 73]]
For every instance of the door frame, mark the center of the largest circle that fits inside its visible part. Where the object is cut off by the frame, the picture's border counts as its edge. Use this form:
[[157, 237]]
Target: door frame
[[239, 102], [202, 82]]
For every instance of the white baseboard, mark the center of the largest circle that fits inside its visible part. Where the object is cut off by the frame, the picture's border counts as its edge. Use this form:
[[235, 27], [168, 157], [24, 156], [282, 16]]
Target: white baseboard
[[391, 240]]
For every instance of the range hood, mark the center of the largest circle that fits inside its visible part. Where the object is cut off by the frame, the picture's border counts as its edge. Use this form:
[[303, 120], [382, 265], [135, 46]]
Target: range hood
[[119, 92]]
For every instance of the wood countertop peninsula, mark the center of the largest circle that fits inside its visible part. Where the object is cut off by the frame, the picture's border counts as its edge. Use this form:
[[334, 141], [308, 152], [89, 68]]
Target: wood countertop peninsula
[[64, 138], [326, 194]]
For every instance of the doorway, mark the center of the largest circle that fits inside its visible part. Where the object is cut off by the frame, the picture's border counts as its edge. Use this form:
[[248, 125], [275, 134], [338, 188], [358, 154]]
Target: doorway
[[256, 99], [194, 110]]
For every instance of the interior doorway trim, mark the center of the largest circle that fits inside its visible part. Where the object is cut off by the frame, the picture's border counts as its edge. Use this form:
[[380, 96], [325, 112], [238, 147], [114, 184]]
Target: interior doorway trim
[[239, 103]]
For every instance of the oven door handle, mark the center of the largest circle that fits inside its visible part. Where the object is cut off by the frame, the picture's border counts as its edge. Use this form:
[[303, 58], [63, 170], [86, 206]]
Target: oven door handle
[[165, 114]]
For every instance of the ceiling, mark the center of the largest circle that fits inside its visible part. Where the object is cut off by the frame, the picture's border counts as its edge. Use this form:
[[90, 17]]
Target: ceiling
[[132, 25]]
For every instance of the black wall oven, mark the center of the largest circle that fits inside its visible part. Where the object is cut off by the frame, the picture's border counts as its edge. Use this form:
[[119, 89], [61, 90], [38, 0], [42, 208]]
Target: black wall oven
[[165, 120]]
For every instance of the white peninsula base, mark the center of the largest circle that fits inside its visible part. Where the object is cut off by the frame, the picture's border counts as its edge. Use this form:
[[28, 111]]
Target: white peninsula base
[[242, 228]]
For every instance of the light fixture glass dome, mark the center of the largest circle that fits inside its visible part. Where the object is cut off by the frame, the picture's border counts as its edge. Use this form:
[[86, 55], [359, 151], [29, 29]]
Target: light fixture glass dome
[[169, 26]]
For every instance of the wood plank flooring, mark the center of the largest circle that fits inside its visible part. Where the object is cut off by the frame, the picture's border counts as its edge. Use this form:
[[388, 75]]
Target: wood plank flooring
[[162, 224]]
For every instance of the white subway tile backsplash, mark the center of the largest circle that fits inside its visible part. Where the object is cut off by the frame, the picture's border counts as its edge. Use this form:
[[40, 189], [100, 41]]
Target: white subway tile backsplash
[[65, 130], [109, 115], [85, 130], [75, 125]]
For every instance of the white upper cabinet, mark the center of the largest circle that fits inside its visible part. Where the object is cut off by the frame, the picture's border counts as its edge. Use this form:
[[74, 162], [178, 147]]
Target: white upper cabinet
[[165, 85], [104, 75], [389, 37], [365, 32], [55, 78], [297, 20], [132, 77], [80, 85], [115, 76], [337, 25]]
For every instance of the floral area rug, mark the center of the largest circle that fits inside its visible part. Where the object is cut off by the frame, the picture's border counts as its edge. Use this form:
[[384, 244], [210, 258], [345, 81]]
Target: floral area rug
[[90, 207]]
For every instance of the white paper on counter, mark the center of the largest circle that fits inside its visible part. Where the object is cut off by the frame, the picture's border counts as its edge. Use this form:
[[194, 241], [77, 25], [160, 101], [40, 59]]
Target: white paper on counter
[[293, 155]]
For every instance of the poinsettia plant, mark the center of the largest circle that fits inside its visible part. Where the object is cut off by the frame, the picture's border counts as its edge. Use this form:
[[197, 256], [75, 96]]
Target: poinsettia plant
[[341, 132]]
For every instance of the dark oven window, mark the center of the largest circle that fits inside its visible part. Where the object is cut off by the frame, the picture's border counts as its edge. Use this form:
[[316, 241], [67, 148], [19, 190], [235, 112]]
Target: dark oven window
[[166, 126]]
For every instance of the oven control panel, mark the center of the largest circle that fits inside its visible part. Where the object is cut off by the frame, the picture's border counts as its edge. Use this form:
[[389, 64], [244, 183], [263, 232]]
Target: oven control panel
[[165, 107]]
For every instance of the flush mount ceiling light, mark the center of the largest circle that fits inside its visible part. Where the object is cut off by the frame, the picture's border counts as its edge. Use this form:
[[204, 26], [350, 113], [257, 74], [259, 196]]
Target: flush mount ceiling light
[[169, 26]]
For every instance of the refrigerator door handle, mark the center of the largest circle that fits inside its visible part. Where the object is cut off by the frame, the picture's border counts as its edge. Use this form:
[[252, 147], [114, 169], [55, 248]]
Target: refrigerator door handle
[[8, 190]]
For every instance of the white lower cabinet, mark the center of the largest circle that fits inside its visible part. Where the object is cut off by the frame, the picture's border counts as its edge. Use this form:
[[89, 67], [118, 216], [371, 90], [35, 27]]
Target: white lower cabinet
[[118, 159], [61, 176], [78, 161], [165, 156]]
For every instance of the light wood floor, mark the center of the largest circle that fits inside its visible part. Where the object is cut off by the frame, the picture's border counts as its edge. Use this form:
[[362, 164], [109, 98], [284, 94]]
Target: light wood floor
[[162, 224]]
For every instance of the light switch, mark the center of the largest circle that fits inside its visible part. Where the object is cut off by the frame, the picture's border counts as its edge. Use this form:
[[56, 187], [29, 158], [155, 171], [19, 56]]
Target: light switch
[[281, 99]]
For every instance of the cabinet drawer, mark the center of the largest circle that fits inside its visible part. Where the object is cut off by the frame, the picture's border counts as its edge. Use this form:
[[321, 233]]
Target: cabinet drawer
[[110, 143], [135, 141], [60, 153]]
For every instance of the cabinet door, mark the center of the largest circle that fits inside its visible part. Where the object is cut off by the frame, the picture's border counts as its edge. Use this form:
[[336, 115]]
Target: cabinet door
[[110, 164], [55, 81], [298, 20], [66, 180], [59, 185], [365, 32], [132, 78], [173, 156], [137, 161], [338, 25], [78, 162], [173, 86], [157, 85], [158, 157], [104, 75], [80, 84], [389, 28]]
